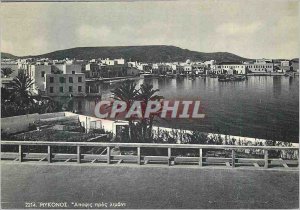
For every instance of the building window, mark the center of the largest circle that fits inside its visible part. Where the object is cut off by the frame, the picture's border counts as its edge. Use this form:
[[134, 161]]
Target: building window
[[73, 72], [61, 89], [62, 80], [70, 89], [79, 89], [51, 89], [42, 74], [51, 79], [70, 79], [79, 79]]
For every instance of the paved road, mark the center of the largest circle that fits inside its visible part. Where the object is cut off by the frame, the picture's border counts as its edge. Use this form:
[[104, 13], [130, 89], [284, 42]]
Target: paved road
[[147, 187]]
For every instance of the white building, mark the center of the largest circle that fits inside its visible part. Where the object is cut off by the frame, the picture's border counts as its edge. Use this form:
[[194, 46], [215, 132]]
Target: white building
[[187, 68], [109, 62], [120, 61], [132, 64], [285, 66], [65, 84], [210, 64], [199, 68], [260, 66], [143, 67], [230, 68], [37, 74]]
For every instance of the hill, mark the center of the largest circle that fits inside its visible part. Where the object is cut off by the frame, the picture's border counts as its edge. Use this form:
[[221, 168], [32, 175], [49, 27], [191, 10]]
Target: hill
[[151, 53], [8, 56]]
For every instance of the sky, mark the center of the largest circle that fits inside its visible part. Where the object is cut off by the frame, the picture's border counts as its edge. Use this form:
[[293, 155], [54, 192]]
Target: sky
[[249, 28]]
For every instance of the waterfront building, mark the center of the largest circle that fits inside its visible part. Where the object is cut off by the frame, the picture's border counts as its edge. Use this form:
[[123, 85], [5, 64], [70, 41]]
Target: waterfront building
[[131, 71], [113, 70], [261, 66], [209, 64], [154, 69], [285, 66], [199, 68], [187, 69], [160, 68], [65, 84], [177, 69], [295, 64], [145, 67], [230, 68]]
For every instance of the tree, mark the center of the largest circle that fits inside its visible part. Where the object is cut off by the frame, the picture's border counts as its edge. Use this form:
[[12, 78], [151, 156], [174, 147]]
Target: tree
[[139, 129], [128, 93], [6, 71], [146, 94], [19, 100], [21, 85]]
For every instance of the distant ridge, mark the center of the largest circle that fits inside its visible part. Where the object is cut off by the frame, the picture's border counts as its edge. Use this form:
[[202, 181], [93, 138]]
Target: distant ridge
[[8, 56], [148, 53]]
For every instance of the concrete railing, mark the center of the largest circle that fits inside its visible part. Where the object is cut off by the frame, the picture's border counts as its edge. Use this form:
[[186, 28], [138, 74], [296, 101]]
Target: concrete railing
[[138, 157]]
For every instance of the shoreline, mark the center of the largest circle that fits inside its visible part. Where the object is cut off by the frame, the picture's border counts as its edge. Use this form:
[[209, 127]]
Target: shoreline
[[154, 76]]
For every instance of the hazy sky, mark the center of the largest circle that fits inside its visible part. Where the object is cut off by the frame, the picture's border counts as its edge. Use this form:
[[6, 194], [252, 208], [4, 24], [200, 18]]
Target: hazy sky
[[249, 28]]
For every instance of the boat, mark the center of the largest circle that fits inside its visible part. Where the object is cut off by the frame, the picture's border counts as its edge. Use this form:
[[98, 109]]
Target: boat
[[289, 74], [227, 78], [238, 78], [146, 76], [223, 78], [170, 75]]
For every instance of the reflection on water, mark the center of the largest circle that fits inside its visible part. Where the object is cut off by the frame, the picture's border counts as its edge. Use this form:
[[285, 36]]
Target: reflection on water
[[277, 86], [260, 107]]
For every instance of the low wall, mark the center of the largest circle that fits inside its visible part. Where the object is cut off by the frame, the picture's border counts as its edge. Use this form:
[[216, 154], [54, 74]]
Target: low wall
[[87, 122], [21, 123]]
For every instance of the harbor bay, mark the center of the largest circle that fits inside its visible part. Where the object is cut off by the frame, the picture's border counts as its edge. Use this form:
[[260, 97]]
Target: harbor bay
[[264, 107]]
